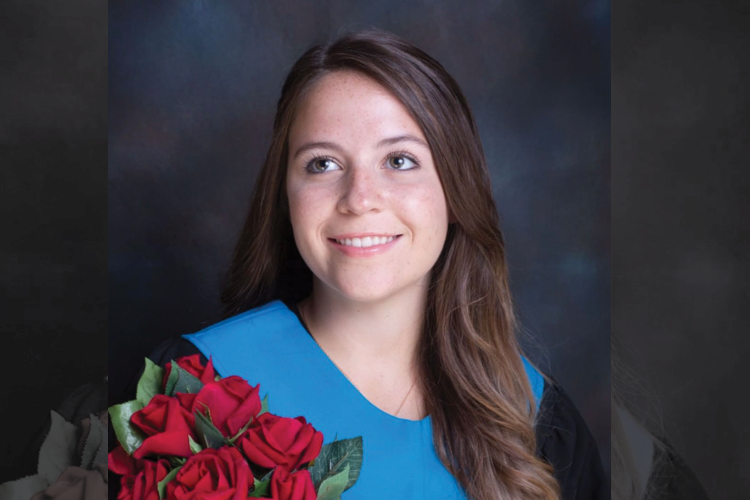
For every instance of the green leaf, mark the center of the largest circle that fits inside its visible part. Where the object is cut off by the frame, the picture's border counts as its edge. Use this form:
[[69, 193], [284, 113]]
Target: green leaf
[[186, 382], [335, 457], [149, 384], [194, 447], [162, 485], [264, 405], [261, 487], [332, 487], [172, 379], [58, 448], [209, 436], [129, 436]]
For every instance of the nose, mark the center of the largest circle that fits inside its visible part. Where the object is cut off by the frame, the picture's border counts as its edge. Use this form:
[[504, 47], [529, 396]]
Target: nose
[[362, 192]]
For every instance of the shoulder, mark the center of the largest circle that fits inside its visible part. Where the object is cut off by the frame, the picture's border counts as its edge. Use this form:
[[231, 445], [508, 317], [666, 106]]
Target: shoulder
[[161, 355], [536, 380], [565, 442], [172, 349], [239, 328], [272, 329], [251, 326]]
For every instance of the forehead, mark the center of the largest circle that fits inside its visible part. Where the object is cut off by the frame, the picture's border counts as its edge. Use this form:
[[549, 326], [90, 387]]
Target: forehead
[[348, 105]]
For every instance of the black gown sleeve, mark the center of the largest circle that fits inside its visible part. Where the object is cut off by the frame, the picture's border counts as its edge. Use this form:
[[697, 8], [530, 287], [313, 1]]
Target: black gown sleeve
[[565, 442]]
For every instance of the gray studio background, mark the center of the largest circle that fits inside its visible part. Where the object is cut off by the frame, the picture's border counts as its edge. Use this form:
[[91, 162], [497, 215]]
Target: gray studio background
[[192, 92]]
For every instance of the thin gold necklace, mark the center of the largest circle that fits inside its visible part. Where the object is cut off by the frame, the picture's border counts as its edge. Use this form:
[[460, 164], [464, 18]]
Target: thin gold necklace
[[305, 324]]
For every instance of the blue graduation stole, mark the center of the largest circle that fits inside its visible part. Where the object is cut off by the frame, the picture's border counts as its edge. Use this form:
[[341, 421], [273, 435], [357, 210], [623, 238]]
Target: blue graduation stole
[[269, 346], [263, 330]]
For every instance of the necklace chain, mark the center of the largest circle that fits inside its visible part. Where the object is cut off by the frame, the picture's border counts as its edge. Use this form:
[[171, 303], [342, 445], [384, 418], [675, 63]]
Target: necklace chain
[[307, 326]]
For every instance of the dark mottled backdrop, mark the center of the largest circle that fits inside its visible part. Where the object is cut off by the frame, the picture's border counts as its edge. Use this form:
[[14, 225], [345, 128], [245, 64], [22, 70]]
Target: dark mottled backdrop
[[192, 93]]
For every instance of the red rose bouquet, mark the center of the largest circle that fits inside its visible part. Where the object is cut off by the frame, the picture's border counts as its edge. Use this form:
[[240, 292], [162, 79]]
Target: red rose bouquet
[[191, 435]]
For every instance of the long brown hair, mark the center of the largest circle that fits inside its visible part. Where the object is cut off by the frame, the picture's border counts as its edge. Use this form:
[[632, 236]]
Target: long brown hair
[[475, 386]]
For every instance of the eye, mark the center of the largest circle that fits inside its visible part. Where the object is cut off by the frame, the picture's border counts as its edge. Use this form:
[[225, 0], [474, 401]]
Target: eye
[[402, 161], [321, 164]]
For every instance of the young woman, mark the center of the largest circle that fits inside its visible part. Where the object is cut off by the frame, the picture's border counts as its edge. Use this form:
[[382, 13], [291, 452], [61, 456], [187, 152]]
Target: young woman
[[368, 290]]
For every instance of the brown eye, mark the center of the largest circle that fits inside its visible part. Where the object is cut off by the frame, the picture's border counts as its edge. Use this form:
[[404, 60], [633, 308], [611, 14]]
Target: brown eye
[[323, 165], [401, 162], [320, 165]]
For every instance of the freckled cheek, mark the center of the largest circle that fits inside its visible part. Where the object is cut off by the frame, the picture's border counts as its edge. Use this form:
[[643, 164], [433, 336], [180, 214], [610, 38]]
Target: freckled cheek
[[425, 211], [308, 209]]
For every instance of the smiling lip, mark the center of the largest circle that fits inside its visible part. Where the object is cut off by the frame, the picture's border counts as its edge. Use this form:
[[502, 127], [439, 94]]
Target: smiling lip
[[360, 235], [353, 251]]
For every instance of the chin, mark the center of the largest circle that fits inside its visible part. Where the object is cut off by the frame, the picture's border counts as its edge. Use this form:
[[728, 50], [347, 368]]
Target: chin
[[369, 292]]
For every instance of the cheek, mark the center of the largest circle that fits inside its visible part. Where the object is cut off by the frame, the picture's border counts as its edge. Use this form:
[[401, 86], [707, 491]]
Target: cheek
[[427, 211], [307, 212], [301, 202]]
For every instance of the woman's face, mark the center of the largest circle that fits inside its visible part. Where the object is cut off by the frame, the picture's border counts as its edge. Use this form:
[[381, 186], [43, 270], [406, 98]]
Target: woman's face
[[366, 204]]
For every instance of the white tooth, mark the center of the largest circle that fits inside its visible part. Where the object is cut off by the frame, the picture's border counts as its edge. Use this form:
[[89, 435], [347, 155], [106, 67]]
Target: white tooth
[[356, 242], [366, 241], [348, 242], [383, 240]]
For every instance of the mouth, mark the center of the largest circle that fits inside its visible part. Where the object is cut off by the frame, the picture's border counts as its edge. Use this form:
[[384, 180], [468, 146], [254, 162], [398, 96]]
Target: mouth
[[364, 246], [365, 241]]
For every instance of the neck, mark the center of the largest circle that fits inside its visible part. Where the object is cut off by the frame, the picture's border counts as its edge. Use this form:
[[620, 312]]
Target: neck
[[381, 334]]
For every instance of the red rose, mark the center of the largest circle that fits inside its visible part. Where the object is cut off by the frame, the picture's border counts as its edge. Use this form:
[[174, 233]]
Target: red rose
[[221, 474], [186, 399], [121, 463], [297, 486], [192, 365], [139, 477], [232, 401], [278, 441], [167, 425]]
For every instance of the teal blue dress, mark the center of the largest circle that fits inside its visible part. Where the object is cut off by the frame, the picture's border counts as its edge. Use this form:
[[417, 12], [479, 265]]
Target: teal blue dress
[[269, 346]]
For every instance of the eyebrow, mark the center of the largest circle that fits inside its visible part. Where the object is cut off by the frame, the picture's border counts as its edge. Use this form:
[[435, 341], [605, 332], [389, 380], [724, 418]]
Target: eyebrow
[[384, 142]]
